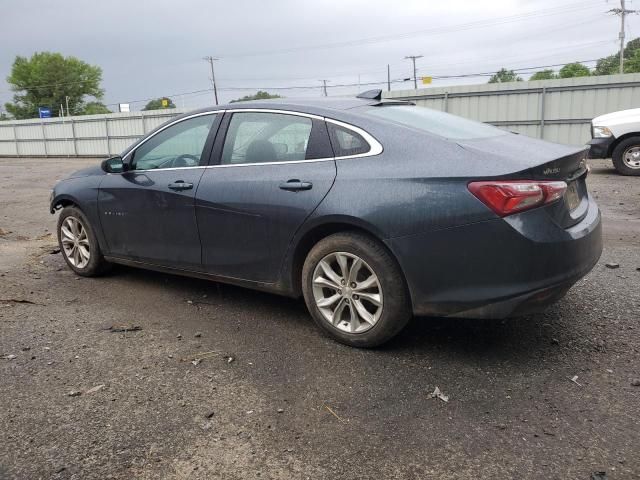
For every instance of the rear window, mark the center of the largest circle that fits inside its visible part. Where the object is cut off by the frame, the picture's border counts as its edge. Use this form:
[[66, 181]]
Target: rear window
[[435, 122]]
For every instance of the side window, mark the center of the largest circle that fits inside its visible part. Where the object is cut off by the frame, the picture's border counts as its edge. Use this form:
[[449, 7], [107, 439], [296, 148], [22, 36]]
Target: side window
[[255, 137], [347, 142], [180, 145]]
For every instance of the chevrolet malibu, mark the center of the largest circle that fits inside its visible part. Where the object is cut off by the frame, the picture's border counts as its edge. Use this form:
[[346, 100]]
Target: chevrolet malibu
[[372, 210]]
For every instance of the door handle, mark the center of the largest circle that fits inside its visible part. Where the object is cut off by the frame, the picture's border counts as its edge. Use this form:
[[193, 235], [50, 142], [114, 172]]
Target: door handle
[[180, 185], [295, 185]]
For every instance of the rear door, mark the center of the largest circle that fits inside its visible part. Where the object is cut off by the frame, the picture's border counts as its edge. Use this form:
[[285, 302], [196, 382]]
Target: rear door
[[273, 170], [148, 212]]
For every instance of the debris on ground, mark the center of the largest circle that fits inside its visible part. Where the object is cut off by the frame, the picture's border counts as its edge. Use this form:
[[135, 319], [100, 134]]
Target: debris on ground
[[209, 414], [10, 356], [95, 389], [179, 336], [4, 232], [635, 382], [230, 358], [280, 410], [55, 251], [198, 334], [599, 476], [198, 357], [574, 379], [334, 414], [612, 265], [124, 328], [438, 394], [74, 393], [19, 300]]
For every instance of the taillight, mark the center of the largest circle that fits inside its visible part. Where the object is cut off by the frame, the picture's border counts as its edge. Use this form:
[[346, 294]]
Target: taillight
[[508, 197]]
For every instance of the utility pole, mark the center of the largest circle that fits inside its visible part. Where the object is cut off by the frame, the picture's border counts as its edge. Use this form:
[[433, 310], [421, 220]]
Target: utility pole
[[66, 99], [413, 59], [211, 59], [388, 78], [623, 12], [324, 87]]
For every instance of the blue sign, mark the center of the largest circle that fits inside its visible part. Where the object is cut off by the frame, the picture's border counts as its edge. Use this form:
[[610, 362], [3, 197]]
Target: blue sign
[[44, 112]]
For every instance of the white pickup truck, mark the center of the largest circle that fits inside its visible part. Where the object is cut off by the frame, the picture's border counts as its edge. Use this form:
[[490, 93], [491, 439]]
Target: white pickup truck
[[617, 135]]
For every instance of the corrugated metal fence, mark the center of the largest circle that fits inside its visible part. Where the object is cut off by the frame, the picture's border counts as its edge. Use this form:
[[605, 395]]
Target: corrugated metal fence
[[85, 136], [556, 110]]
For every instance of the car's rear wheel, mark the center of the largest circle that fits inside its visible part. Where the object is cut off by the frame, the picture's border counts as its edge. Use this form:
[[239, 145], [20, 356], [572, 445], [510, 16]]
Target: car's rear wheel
[[78, 243], [626, 156], [355, 290]]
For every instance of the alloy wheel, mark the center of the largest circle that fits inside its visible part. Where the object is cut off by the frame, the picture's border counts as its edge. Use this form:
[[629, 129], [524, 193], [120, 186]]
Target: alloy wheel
[[631, 157], [75, 242], [347, 292]]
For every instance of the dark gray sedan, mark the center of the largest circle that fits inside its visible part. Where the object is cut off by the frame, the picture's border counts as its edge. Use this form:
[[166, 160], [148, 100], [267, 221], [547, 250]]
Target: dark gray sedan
[[372, 210]]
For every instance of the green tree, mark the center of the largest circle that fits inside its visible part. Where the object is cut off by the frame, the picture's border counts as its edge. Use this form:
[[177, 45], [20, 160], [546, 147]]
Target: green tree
[[46, 79], [3, 116], [544, 75], [611, 65], [260, 95], [504, 75], [95, 108], [157, 104], [574, 70], [632, 64]]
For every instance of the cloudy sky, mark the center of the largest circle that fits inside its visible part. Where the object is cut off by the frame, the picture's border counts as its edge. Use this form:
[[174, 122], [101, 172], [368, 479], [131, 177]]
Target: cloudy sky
[[154, 48]]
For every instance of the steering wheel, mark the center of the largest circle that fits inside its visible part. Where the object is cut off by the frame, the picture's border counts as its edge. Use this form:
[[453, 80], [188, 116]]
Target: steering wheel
[[183, 161]]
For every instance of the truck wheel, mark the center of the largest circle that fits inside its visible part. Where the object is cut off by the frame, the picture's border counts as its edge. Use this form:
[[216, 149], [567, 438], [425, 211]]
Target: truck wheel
[[626, 156]]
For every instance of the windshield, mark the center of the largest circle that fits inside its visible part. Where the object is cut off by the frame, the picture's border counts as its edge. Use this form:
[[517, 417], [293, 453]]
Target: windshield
[[435, 122]]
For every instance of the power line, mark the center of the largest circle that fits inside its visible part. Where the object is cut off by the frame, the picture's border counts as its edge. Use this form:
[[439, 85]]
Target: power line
[[431, 31]]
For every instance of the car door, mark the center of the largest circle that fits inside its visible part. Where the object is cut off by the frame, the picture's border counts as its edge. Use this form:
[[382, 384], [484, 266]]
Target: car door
[[273, 170], [147, 213]]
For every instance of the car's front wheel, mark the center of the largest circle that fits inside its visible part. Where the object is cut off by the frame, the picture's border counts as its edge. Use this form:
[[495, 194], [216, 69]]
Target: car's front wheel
[[78, 243], [626, 156], [355, 290]]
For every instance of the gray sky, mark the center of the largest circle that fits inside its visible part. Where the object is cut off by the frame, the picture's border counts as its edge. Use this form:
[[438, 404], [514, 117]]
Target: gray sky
[[155, 48]]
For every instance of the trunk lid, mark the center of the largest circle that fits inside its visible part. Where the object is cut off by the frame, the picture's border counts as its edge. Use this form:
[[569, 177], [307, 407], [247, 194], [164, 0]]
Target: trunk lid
[[526, 158]]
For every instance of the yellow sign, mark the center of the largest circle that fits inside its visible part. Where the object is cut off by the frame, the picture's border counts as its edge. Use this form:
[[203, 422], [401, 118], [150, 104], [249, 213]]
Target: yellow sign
[[426, 80], [165, 102]]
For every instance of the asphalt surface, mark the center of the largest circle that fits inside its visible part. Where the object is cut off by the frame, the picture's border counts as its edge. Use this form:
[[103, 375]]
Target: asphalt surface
[[273, 398]]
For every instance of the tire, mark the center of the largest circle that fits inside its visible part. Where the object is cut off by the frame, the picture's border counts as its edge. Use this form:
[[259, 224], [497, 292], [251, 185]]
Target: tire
[[74, 253], [343, 318], [622, 161]]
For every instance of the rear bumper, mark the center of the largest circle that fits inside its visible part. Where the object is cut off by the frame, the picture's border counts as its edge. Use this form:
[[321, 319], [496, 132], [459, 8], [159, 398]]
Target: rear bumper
[[498, 268], [600, 147]]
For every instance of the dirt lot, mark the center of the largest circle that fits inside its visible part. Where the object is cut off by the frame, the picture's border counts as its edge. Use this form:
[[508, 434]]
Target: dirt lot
[[291, 403]]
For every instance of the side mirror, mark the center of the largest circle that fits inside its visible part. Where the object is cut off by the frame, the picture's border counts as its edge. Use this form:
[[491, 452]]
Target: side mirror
[[113, 165]]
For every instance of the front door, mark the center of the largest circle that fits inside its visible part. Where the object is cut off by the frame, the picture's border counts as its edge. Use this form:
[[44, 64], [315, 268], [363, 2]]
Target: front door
[[147, 213], [274, 171]]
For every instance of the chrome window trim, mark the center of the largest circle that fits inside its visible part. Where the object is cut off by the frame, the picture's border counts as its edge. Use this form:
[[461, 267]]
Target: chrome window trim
[[375, 146], [273, 110]]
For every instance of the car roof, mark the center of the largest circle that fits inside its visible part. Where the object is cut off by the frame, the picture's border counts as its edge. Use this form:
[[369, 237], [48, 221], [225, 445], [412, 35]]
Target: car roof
[[317, 106]]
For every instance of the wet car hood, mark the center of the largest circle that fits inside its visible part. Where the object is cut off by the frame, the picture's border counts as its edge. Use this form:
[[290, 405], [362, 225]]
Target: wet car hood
[[87, 172]]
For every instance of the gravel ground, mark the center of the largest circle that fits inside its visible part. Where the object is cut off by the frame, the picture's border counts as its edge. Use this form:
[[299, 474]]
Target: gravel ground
[[272, 398]]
